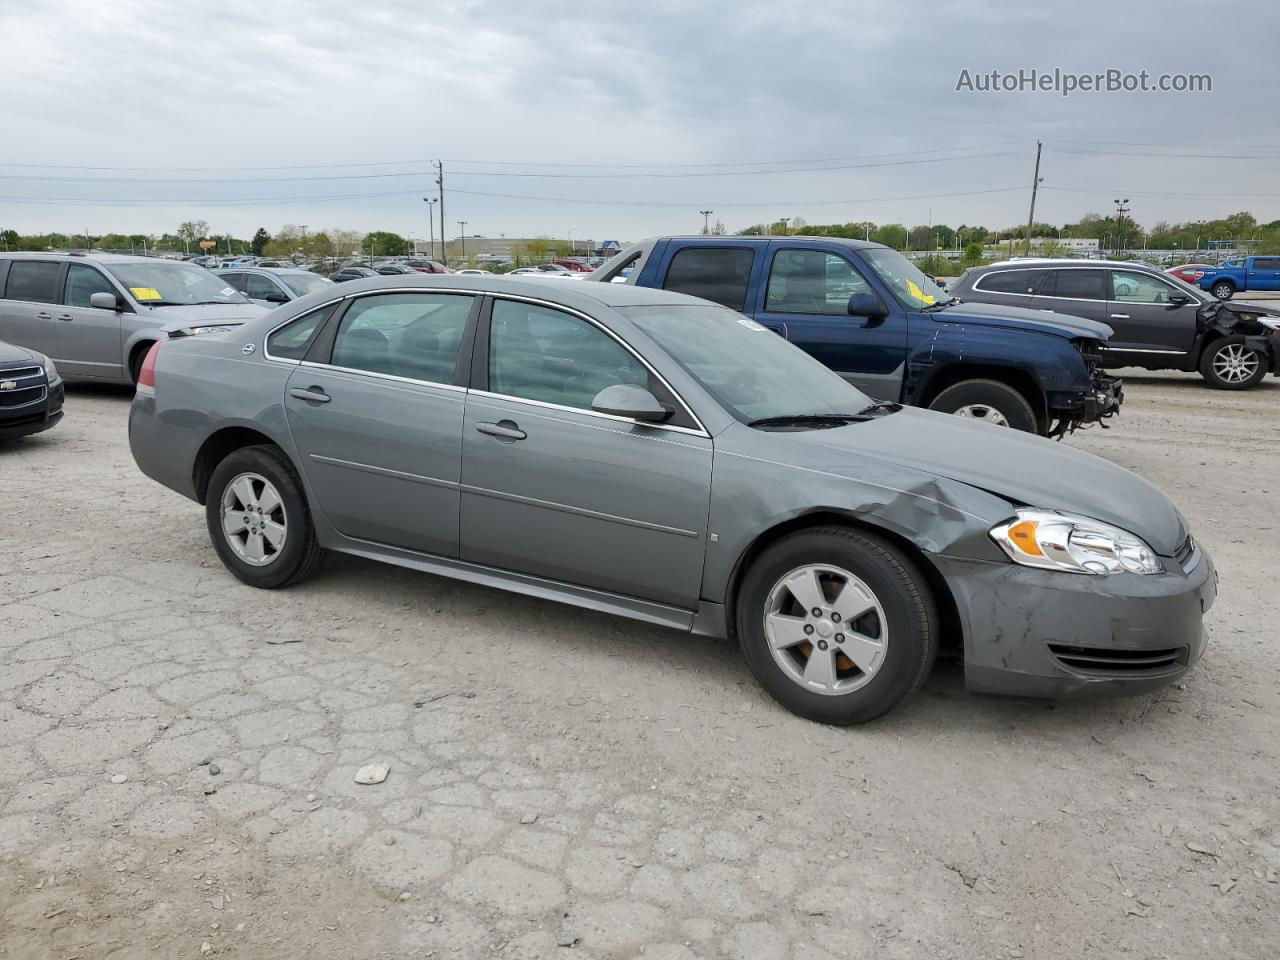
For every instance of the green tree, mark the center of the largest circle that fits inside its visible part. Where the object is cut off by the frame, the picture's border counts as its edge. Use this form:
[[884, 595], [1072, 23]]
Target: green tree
[[972, 254], [193, 231], [381, 243], [259, 241]]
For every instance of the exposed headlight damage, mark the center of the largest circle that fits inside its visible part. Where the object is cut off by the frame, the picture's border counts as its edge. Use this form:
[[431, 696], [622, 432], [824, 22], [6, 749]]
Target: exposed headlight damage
[[1072, 544]]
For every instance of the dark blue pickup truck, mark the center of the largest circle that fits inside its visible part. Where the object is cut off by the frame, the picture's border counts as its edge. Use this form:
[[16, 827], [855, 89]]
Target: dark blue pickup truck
[[868, 313]]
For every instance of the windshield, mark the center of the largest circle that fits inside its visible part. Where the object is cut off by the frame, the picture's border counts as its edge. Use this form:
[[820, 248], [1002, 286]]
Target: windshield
[[170, 284], [754, 373], [913, 288], [302, 283]]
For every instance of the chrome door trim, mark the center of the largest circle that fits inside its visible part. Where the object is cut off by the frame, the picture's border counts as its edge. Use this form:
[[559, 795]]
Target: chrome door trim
[[390, 377], [1133, 350], [689, 431]]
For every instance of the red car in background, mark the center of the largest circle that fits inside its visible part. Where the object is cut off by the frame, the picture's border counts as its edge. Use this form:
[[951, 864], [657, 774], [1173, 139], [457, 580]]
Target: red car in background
[[427, 266], [1190, 272], [569, 263]]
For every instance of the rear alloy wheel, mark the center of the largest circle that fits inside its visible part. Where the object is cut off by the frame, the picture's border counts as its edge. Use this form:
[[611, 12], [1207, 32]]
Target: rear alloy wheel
[[1230, 365], [989, 401], [837, 625], [1223, 291], [259, 520]]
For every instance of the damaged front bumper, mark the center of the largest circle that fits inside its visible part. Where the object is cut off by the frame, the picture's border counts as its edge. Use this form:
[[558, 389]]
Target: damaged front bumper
[[1103, 400], [1036, 634]]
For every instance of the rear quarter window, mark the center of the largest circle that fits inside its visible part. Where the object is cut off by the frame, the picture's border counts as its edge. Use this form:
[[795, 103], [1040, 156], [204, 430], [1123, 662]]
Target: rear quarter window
[[292, 340], [1010, 281], [33, 281]]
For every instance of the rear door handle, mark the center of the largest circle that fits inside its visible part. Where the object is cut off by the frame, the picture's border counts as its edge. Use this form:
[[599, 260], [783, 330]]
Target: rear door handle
[[65, 316], [504, 430], [1119, 316], [314, 394], [44, 316]]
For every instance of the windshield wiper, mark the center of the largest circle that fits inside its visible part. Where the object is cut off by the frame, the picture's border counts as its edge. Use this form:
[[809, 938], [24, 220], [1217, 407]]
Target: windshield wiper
[[879, 408], [816, 420], [201, 303], [950, 301]]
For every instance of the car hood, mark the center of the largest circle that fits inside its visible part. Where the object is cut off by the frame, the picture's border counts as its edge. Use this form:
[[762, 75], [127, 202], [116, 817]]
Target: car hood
[[1019, 467], [1042, 321], [206, 312], [12, 353]]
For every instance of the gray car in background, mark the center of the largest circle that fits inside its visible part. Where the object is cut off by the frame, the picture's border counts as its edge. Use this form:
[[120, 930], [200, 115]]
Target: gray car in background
[[96, 315], [660, 457], [271, 287]]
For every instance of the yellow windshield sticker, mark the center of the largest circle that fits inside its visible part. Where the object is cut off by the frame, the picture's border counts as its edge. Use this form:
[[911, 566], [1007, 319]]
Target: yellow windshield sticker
[[918, 293], [145, 293]]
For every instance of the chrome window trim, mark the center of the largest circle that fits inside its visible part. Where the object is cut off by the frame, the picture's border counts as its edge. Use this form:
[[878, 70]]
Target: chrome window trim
[[701, 431], [391, 377], [1135, 350], [977, 284], [592, 413]]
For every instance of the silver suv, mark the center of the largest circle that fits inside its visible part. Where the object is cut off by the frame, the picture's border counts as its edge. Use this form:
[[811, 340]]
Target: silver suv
[[96, 315]]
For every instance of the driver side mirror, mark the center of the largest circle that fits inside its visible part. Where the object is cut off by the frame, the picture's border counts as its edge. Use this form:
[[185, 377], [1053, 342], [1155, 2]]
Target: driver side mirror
[[276, 298], [1178, 299], [105, 301], [634, 403], [867, 305]]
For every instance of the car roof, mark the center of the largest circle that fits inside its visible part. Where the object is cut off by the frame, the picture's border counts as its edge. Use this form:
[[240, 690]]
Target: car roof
[[765, 238], [581, 293], [1069, 262], [94, 256]]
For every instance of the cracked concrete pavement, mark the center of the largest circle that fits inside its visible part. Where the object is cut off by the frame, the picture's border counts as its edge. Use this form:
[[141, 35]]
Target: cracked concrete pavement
[[178, 755]]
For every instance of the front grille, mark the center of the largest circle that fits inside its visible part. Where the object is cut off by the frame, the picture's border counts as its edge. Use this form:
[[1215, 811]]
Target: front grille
[[1090, 349], [21, 398], [1101, 661], [21, 373]]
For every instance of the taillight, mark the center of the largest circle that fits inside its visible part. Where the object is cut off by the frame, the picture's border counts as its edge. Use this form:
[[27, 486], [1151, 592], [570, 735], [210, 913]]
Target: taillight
[[147, 373]]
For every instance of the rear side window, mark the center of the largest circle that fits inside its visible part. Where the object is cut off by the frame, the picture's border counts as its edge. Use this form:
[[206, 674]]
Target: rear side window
[[1266, 263], [412, 335], [259, 288], [1077, 285], [236, 280], [718, 274], [291, 342], [82, 283], [1010, 281], [33, 281]]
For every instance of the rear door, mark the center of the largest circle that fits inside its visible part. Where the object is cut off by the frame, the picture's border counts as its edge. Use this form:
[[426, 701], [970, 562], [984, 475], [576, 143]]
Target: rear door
[[1078, 291], [89, 338], [719, 272], [1147, 325], [27, 307], [806, 295], [375, 411], [1264, 274]]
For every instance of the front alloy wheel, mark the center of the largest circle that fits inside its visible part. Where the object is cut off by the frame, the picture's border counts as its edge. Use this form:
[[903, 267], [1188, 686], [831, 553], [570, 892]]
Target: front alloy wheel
[[1230, 365]]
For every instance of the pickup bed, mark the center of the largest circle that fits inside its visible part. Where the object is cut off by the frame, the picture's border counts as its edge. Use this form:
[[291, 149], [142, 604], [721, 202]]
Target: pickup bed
[[1252, 273], [869, 314]]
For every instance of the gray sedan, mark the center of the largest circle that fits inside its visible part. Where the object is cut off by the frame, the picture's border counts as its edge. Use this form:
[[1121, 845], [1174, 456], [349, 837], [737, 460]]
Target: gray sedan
[[659, 457], [269, 287]]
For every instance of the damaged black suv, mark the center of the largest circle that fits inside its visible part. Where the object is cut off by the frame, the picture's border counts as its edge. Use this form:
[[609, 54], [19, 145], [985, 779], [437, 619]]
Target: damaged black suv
[[1159, 322]]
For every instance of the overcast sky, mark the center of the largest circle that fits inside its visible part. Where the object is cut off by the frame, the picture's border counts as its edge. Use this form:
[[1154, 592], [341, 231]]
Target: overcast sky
[[149, 90]]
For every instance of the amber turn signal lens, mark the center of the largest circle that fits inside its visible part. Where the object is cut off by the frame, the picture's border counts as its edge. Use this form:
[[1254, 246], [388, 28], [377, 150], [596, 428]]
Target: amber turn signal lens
[[1023, 535]]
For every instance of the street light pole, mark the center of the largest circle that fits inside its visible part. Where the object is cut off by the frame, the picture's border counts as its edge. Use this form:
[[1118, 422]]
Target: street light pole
[[431, 226], [784, 221], [706, 221], [462, 236], [1121, 210]]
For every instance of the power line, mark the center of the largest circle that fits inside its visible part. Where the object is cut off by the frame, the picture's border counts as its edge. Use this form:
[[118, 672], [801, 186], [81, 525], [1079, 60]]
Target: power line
[[1189, 156], [1169, 193], [731, 203]]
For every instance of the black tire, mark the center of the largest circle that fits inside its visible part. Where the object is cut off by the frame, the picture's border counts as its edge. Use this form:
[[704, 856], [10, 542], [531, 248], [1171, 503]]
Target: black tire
[[1217, 351], [1223, 290], [990, 394], [136, 360], [301, 554], [904, 595]]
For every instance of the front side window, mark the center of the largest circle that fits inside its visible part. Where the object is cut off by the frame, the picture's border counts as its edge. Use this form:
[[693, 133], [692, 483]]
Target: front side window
[[909, 285], [291, 342], [751, 371], [537, 353], [167, 284], [258, 287], [1011, 281], [82, 283], [413, 335], [34, 281], [1267, 263], [718, 274], [810, 281], [303, 283], [1077, 285], [1139, 288]]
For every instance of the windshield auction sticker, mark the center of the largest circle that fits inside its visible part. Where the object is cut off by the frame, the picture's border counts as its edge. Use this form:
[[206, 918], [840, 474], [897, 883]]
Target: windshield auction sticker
[[145, 293]]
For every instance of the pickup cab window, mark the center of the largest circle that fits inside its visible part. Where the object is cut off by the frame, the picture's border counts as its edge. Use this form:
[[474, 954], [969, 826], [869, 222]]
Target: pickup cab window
[[811, 281], [718, 274]]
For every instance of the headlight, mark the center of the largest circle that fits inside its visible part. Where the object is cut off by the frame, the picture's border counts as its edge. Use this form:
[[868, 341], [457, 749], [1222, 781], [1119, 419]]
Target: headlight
[[50, 371], [213, 328], [1061, 541], [1272, 323]]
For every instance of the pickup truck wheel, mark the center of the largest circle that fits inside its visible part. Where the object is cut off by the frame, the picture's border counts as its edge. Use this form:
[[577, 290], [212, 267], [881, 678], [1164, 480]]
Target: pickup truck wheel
[[1223, 290], [259, 520], [989, 401], [837, 625], [1228, 364]]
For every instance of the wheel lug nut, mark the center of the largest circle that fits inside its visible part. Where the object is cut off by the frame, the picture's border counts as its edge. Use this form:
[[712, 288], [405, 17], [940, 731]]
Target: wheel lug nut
[[822, 644], [835, 618], [808, 628], [839, 638], [817, 611]]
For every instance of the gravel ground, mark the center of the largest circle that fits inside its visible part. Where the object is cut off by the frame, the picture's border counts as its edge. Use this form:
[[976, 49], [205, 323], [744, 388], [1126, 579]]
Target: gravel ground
[[178, 755]]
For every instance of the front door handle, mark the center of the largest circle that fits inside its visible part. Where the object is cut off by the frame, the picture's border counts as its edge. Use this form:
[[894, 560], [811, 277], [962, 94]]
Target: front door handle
[[65, 316], [313, 394], [44, 316], [1119, 316], [505, 430]]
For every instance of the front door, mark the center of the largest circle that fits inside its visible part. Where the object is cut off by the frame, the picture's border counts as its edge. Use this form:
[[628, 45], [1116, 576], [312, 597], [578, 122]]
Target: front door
[[89, 343], [378, 422], [807, 296], [1264, 274], [1147, 325], [552, 489]]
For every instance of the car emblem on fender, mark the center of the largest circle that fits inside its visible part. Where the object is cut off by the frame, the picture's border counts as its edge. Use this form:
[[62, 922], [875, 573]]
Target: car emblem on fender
[[247, 349], [8, 384]]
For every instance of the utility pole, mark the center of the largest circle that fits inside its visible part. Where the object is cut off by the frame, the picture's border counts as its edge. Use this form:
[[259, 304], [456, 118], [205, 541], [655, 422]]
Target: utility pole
[[706, 221], [462, 236], [1121, 210], [431, 227], [784, 221], [444, 244], [1035, 186]]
